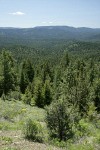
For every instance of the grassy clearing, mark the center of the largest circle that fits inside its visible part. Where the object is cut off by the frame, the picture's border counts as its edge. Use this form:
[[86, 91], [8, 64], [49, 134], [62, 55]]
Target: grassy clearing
[[13, 115], [19, 143]]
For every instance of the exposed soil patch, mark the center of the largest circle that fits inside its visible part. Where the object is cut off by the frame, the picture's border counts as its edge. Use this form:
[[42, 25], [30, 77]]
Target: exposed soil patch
[[19, 143]]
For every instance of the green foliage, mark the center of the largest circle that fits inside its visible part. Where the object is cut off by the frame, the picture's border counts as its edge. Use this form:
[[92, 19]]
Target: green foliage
[[8, 74], [68, 82], [27, 75], [97, 95], [6, 140], [13, 95], [27, 96], [91, 114], [14, 113], [1, 84], [47, 93], [38, 94], [60, 120], [84, 127], [82, 98], [33, 131], [65, 60], [82, 146]]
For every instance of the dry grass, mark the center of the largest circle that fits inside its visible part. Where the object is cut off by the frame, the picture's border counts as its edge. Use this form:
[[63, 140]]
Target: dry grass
[[19, 143], [12, 117]]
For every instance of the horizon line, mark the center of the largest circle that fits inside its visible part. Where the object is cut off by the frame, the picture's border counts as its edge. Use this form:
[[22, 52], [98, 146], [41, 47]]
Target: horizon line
[[49, 26]]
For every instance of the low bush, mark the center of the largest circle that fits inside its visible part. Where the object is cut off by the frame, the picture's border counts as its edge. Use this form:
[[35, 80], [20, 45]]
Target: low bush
[[6, 140], [33, 131], [60, 120]]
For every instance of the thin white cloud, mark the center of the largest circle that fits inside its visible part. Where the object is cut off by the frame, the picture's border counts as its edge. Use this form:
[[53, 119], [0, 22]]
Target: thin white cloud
[[18, 13], [50, 22], [44, 22]]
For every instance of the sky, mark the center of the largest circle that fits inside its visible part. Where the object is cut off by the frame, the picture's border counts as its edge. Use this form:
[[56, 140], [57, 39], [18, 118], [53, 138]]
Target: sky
[[31, 13]]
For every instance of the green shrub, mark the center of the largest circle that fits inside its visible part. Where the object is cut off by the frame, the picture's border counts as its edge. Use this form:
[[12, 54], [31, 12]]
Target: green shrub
[[81, 147], [60, 120], [33, 131], [85, 128], [6, 140], [13, 95]]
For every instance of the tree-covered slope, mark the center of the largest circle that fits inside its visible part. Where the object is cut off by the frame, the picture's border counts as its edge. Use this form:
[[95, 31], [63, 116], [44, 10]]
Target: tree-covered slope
[[29, 35]]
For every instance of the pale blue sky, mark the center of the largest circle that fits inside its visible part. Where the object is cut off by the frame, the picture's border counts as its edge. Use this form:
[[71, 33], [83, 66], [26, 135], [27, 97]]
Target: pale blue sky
[[30, 13]]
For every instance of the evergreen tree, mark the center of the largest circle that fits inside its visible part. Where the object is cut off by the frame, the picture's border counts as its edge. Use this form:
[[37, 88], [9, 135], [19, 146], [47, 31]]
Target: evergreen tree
[[96, 97], [47, 93], [23, 82], [65, 60], [27, 75], [61, 117], [8, 73], [28, 95], [38, 93], [29, 70]]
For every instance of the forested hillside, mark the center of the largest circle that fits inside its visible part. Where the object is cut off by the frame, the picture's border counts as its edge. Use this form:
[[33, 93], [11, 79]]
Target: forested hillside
[[59, 79], [30, 35]]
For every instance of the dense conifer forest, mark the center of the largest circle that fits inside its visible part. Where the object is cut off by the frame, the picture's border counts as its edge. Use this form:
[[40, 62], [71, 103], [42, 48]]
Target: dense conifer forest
[[60, 77]]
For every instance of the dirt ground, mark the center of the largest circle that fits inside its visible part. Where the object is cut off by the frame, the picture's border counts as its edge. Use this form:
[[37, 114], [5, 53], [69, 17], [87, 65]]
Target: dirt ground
[[19, 143]]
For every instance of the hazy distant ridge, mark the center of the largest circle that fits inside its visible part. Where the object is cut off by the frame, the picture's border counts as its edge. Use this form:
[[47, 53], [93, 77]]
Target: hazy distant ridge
[[51, 32]]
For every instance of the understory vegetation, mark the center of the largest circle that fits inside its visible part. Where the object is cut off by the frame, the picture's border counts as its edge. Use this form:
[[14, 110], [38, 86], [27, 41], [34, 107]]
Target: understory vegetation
[[52, 97]]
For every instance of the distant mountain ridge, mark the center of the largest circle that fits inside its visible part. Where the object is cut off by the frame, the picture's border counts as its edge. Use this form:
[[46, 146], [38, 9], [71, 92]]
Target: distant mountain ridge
[[10, 34]]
